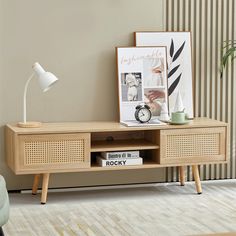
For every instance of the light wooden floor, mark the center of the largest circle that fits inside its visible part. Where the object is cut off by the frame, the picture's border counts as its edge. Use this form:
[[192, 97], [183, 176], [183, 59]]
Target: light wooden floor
[[150, 210]]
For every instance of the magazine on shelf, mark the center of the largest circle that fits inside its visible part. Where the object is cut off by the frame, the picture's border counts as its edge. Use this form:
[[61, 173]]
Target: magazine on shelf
[[117, 155], [120, 162], [135, 123]]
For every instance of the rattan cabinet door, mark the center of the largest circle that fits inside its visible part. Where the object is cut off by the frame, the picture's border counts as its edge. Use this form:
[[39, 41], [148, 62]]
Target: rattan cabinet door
[[190, 146], [53, 152]]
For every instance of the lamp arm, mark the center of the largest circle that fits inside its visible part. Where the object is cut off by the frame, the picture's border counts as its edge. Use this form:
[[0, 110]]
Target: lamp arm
[[25, 93]]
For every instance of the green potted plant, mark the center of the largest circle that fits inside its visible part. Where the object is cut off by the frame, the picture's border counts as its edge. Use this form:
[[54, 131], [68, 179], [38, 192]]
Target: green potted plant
[[229, 49]]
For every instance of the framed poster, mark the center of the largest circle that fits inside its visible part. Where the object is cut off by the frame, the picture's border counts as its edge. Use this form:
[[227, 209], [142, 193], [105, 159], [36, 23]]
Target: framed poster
[[179, 61], [142, 78]]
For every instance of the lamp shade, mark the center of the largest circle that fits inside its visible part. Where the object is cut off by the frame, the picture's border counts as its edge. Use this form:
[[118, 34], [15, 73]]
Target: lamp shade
[[45, 79]]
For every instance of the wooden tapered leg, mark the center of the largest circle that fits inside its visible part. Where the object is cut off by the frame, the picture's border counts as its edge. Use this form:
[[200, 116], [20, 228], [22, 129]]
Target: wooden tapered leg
[[181, 175], [45, 188], [197, 179], [36, 184]]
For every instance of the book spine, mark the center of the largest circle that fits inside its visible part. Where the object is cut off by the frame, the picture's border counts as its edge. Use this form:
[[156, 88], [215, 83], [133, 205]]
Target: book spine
[[119, 162], [116, 155]]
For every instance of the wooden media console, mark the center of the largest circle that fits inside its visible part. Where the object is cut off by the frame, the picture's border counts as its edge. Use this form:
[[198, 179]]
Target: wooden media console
[[72, 147]]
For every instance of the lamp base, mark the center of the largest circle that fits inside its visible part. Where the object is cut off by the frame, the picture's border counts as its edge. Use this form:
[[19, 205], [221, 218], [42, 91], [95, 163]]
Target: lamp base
[[31, 124]]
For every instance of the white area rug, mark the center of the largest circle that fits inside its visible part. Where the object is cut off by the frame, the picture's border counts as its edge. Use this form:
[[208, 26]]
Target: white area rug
[[152, 210]]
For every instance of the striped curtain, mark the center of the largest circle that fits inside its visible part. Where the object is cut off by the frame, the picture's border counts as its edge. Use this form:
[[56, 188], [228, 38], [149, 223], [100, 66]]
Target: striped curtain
[[211, 22]]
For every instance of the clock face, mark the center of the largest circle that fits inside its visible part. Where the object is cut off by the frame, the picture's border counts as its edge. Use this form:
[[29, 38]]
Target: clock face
[[143, 115]]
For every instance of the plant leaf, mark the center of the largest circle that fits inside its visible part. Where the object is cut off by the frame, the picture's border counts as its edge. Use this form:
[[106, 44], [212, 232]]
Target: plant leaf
[[179, 51], [228, 44], [174, 85], [233, 58], [229, 41], [173, 71], [223, 65], [225, 58], [228, 53], [172, 48]]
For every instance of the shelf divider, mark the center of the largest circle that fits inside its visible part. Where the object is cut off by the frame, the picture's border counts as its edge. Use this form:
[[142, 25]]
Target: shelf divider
[[122, 145]]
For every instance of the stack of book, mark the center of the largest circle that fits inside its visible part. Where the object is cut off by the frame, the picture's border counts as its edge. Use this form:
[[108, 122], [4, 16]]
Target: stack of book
[[125, 158]]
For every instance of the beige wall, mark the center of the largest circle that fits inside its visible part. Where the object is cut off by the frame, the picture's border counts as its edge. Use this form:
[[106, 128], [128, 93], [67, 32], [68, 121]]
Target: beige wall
[[76, 40]]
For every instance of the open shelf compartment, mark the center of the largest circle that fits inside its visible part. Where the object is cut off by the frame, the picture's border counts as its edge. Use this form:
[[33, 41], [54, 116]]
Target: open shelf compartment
[[124, 141], [147, 142]]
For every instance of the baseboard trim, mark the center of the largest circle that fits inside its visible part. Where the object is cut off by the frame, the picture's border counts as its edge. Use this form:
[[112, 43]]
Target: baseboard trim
[[120, 186]]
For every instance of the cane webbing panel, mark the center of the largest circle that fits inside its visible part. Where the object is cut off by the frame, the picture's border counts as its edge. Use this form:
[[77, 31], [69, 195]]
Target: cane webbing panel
[[192, 145], [54, 149], [48, 152]]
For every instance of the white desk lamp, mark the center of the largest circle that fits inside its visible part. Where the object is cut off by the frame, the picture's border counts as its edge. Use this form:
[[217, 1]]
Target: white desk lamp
[[46, 80]]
